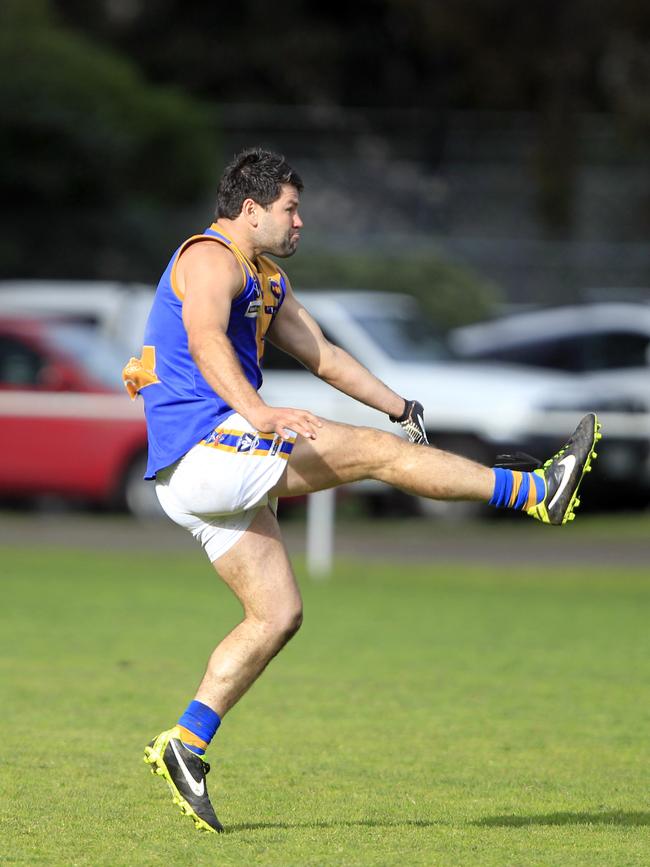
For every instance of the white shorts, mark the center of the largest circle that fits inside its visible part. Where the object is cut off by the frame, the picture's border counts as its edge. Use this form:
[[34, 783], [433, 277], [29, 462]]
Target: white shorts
[[216, 489]]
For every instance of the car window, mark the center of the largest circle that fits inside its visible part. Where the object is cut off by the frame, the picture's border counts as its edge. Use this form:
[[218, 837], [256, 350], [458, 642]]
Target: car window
[[405, 336], [98, 356], [555, 354], [616, 349], [20, 365], [578, 353]]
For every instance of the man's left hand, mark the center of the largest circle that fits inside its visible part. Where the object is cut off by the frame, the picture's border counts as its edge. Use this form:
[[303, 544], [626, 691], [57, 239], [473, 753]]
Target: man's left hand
[[412, 420]]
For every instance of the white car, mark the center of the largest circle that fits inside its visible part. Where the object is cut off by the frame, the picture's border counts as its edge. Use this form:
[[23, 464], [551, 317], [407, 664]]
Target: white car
[[475, 407], [478, 409]]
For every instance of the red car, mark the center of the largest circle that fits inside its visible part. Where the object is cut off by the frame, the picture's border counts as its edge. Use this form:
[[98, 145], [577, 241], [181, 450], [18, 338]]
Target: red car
[[67, 427]]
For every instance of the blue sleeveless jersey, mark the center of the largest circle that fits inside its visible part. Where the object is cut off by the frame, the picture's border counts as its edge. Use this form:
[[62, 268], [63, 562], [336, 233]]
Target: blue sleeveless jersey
[[180, 407]]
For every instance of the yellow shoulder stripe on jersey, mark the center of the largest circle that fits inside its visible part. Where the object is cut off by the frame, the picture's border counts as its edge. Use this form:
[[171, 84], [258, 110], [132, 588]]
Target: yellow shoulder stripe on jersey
[[247, 266], [194, 240]]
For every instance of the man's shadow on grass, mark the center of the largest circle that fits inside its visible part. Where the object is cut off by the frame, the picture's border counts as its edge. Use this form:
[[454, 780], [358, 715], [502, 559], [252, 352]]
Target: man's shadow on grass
[[618, 818], [360, 823]]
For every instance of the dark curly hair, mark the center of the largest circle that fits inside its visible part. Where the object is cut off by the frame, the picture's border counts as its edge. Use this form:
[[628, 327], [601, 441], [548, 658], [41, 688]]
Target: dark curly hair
[[253, 174]]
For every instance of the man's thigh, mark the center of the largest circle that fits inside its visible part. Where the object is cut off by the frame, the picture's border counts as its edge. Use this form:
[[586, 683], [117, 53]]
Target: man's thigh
[[258, 571], [340, 454]]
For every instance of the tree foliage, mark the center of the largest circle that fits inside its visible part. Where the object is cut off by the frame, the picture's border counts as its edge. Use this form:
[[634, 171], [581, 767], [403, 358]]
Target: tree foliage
[[83, 132], [554, 58], [99, 132], [437, 283], [479, 54]]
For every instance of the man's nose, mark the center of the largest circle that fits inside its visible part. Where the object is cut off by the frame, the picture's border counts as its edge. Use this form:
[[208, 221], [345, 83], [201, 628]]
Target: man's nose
[[297, 222]]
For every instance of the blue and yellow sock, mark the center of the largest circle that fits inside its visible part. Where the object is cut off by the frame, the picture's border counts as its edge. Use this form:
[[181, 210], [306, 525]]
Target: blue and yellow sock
[[198, 726], [517, 490]]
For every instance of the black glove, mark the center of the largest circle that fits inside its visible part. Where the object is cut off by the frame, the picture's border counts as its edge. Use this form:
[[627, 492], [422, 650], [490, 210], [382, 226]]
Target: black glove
[[412, 420]]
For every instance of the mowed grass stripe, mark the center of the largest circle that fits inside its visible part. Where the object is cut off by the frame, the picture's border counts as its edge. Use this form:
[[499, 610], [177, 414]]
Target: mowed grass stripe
[[423, 715]]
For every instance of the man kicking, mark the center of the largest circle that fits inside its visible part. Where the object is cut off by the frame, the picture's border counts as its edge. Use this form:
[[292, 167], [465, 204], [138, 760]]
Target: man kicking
[[220, 456]]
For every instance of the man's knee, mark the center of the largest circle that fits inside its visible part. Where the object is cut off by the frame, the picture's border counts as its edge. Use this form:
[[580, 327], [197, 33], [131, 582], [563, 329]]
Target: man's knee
[[284, 623], [290, 623], [376, 448]]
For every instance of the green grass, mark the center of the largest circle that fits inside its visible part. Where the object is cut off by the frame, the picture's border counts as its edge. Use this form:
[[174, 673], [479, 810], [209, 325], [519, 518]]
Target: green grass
[[423, 716]]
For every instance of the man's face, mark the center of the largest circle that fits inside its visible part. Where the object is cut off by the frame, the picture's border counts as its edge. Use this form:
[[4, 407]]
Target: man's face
[[278, 230]]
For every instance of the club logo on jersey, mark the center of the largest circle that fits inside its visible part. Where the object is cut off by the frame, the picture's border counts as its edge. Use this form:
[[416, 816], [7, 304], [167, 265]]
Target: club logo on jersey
[[275, 287], [248, 442]]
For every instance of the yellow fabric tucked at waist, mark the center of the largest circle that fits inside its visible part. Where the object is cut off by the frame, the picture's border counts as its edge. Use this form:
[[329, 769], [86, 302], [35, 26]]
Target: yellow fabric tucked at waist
[[140, 372]]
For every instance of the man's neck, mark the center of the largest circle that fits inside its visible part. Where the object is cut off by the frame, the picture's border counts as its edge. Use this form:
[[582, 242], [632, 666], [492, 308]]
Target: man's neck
[[235, 233]]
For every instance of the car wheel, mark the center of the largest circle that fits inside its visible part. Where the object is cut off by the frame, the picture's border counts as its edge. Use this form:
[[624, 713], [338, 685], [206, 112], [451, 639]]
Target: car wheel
[[140, 496]]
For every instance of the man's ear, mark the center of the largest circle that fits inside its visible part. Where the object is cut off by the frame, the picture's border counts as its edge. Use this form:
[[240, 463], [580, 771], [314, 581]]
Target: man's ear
[[250, 210]]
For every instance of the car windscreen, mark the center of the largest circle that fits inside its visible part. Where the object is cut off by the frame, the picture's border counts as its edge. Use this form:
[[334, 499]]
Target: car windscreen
[[404, 335], [94, 354]]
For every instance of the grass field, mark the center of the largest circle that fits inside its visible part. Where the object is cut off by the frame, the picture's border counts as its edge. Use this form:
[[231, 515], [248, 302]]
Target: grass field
[[428, 715]]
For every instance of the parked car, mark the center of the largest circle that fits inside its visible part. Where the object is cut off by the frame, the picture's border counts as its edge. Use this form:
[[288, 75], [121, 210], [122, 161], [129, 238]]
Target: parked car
[[66, 427], [608, 346], [475, 408], [581, 338], [386, 332], [478, 408], [118, 310]]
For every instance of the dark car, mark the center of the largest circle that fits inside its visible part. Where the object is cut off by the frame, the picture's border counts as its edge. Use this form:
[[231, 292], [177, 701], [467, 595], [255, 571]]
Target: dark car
[[606, 346], [580, 338]]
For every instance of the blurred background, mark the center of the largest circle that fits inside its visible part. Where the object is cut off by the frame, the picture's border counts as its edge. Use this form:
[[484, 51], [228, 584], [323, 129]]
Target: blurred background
[[482, 164], [477, 232]]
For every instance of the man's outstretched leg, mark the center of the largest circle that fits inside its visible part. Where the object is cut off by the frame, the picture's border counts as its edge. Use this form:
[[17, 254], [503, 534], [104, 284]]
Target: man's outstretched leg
[[343, 454], [258, 571]]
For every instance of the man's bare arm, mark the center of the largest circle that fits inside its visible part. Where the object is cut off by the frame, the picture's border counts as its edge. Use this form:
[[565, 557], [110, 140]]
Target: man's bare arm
[[210, 277], [296, 332]]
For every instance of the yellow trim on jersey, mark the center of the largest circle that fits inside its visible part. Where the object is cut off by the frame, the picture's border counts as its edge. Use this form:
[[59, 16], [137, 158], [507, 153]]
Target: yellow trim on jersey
[[239, 253], [269, 272], [263, 270], [241, 257], [138, 373], [193, 240]]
